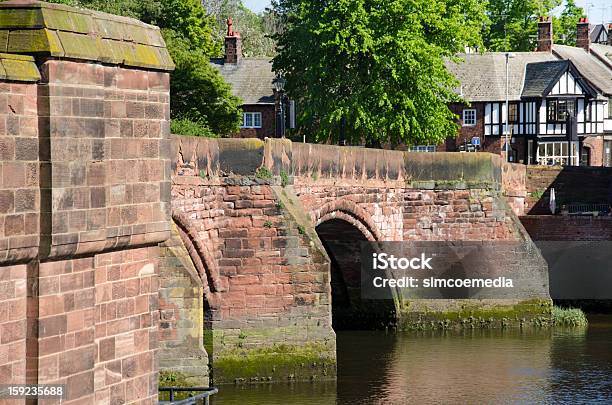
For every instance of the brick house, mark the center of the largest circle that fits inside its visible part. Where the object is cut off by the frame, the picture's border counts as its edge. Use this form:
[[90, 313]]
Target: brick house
[[252, 79], [559, 111]]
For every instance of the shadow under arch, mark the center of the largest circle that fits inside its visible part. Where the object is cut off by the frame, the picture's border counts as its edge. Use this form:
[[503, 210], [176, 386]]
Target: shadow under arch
[[342, 235]]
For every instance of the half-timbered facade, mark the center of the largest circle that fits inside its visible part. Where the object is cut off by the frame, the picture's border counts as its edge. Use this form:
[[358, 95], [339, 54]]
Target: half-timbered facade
[[556, 103]]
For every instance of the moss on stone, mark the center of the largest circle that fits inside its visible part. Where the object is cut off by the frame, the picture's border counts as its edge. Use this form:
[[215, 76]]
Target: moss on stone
[[63, 31], [275, 363], [467, 314], [18, 67]]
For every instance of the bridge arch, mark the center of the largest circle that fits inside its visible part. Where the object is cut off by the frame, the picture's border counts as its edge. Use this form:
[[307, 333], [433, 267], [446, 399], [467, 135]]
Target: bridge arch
[[350, 212], [342, 227], [200, 256]]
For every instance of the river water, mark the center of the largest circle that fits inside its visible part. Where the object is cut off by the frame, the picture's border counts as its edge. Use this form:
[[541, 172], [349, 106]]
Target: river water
[[560, 366]]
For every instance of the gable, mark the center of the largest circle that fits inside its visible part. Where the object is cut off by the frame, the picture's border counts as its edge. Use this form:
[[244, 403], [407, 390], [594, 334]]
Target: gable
[[566, 84]]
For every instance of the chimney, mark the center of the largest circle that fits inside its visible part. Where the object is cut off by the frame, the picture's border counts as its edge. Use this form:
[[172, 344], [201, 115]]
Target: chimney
[[233, 44], [583, 39], [610, 34], [545, 34]]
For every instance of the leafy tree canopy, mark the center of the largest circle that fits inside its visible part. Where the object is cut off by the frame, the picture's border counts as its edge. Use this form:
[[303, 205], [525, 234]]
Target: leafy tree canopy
[[564, 27], [198, 92], [375, 67], [514, 23]]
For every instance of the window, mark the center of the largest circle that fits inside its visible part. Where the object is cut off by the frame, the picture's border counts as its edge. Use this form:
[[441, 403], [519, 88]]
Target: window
[[557, 154], [423, 148], [469, 118], [610, 107], [251, 120], [513, 113], [559, 109]]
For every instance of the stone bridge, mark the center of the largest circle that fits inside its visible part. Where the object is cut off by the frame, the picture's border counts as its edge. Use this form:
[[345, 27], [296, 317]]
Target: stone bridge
[[254, 220], [123, 250]]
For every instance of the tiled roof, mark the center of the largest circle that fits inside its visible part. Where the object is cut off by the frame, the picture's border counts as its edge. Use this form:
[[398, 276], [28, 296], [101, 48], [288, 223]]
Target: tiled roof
[[18, 67], [539, 77], [590, 67], [604, 52], [483, 76], [251, 79]]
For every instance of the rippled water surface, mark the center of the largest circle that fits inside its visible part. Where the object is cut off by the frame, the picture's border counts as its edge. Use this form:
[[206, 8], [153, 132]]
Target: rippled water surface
[[474, 367]]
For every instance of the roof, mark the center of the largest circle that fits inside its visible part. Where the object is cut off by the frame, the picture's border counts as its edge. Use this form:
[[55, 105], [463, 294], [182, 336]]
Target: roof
[[595, 31], [541, 76], [46, 29], [483, 76], [18, 67], [251, 79], [603, 52], [589, 66]]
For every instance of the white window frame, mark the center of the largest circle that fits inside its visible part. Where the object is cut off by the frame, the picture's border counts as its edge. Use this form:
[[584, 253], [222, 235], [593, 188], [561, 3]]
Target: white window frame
[[423, 148], [252, 115], [557, 154], [469, 121]]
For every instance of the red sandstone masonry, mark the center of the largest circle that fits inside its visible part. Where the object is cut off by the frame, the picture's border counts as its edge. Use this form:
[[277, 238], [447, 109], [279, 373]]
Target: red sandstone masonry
[[84, 195]]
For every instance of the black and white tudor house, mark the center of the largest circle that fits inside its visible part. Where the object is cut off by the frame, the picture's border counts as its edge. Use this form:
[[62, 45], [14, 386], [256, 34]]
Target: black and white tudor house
[[560, 102]]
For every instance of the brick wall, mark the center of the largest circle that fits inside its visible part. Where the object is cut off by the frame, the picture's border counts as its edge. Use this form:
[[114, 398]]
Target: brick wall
[[560, 228], [268, 122], [19, 194], [97, 321], [13, 305], [84, 201], [572, 184]]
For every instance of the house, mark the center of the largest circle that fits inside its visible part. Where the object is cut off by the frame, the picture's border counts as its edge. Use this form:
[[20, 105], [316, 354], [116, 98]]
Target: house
[[599, 33], [252, 79], [559, 102]]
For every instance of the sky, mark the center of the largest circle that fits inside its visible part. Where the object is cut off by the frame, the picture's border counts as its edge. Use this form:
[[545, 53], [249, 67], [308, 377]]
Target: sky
[[598, 11]]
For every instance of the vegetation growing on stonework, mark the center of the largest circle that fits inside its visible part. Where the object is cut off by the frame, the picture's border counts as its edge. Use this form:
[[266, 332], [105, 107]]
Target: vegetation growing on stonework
[[201, 101], [374, 69]]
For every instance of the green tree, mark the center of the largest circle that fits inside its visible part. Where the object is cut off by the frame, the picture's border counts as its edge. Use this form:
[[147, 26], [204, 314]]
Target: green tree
[[564, 26], [374, 69], [513, 23], [199, 95]]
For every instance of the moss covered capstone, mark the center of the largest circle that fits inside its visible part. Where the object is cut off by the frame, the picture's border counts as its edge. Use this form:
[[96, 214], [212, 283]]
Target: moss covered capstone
[[40, 28], [18, 67]]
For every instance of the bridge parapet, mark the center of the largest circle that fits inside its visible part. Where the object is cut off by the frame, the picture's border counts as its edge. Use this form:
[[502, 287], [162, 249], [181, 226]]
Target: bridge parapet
[[214, 158]]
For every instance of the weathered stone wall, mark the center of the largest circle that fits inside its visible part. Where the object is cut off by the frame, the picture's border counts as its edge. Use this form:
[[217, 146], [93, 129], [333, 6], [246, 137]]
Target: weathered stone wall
[[567, 228], [84, 200], [572, 185], [249, 210]]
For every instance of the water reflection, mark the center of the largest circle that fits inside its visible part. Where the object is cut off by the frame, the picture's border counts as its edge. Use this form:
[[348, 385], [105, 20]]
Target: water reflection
[[469, 367]]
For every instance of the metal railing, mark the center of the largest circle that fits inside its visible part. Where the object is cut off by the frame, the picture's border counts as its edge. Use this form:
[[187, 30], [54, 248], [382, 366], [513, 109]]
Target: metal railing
[[205, 395], [587, 209]]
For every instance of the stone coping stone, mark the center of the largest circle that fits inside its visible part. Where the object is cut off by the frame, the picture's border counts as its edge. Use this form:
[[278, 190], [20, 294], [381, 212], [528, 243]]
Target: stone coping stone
[[47, 29], [18, 68], [245, 156]]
